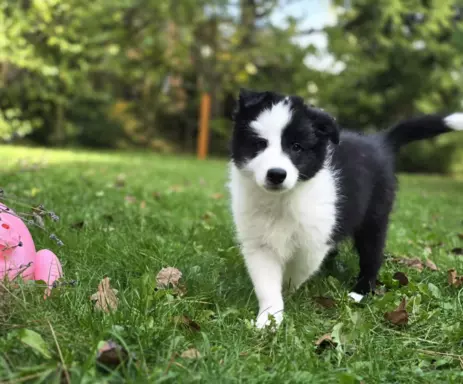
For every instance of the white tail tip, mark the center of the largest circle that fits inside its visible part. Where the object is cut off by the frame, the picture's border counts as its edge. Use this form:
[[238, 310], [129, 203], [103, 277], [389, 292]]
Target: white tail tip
[[455, 121]]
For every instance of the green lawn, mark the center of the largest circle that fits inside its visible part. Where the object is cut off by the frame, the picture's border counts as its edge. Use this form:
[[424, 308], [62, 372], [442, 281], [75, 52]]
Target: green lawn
[[169, 213]]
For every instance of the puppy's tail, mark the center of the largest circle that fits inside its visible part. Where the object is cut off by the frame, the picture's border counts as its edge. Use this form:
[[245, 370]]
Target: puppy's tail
[[420, 128]]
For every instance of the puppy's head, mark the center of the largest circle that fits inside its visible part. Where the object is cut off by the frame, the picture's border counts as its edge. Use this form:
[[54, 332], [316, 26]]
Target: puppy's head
[[278, 140]]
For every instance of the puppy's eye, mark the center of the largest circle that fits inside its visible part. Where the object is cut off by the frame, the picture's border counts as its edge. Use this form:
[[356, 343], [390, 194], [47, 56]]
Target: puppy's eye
[[296, 147], [260, 144]]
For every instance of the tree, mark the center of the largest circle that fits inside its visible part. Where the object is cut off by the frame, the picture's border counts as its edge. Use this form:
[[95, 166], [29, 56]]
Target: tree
[[400, 59]]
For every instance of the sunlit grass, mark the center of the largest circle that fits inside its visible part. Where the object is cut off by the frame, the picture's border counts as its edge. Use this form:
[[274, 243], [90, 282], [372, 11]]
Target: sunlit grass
[[173, 211]]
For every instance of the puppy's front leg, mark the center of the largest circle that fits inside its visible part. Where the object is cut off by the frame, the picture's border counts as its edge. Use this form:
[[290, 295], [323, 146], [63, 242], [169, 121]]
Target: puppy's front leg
[[266, 271]]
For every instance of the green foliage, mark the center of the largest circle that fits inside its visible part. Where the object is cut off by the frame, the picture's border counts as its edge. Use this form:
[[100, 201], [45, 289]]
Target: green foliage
[[124, 73]]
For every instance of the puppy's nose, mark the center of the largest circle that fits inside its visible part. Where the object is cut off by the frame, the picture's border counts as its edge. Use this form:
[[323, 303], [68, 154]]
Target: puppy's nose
[[276, 176]]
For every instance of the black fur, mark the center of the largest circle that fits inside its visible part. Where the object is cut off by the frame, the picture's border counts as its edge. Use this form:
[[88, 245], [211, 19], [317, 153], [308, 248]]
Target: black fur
[[304, 139], [364, 165]]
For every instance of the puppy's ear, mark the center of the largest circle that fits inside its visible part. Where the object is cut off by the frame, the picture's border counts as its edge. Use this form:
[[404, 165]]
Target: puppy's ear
[[249, 98], [324, 123]]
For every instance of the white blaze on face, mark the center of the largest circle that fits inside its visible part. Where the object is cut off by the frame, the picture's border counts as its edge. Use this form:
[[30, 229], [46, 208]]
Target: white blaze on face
[[269, 125]]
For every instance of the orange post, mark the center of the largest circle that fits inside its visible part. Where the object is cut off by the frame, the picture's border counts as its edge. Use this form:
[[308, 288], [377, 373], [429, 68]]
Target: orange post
[[203, 136]]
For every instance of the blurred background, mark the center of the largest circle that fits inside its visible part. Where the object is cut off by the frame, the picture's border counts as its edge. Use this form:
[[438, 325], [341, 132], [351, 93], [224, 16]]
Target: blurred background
[[130, 74]]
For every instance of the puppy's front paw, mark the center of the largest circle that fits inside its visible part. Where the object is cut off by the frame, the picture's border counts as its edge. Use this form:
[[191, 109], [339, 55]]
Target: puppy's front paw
[[357, 297], [269, 319]]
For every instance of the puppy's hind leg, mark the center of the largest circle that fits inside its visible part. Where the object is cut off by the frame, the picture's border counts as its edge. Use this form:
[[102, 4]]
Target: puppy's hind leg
[[369, 241]]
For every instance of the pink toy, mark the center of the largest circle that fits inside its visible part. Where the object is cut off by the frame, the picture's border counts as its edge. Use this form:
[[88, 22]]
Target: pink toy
[[17, 252]]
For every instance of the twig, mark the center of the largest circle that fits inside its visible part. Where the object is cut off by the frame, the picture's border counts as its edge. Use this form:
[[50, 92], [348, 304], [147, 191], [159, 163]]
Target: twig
[[428, 352], [22, 379], [66, 373], [171, 361]]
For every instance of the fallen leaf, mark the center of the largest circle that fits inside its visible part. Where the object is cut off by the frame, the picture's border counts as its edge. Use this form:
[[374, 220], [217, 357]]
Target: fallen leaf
[[35, 341], [143, 204], [111, 355], [105, 299], [401, 278], [430, 265], [457, 251], [130, 199], [78, 225], [326, 302], [453, 279], [460, 236], [191, 353], [427, 250], [188, 323], [451, 276], [399, 316], [217, 196], [169, 275], [326, 341], [412, 263], [180, 290], [120, 181], [208, 215], [176, 188]]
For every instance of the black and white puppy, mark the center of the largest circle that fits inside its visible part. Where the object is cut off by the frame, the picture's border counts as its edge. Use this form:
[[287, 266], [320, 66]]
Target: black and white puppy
[[299, 186]]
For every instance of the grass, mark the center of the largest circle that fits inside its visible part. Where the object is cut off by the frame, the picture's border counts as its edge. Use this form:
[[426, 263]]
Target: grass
[[168, 213]]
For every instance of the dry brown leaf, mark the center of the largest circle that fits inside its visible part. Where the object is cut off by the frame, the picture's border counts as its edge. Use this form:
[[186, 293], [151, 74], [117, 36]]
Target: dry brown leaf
[[169, 275], [105, 299], [457, 251], [111, 355], [143, 204], [186, 322], [217, 196], [208, 215], [399, 316], [401, 278], [451, 276], [453, 279], [130, 199], [326, 341], [430, 265], [412, 263], [120, 181], [180, 290], [326, 302], [176, 188], [191, 353]]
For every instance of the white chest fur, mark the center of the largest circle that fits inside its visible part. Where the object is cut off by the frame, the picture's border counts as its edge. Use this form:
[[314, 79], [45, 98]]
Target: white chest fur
[[302, 219], [284, 237]]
